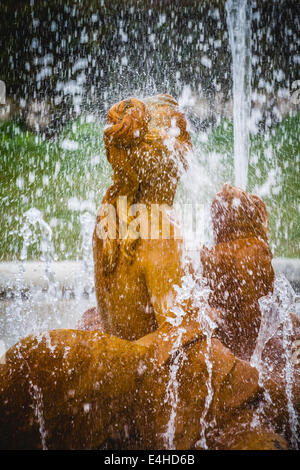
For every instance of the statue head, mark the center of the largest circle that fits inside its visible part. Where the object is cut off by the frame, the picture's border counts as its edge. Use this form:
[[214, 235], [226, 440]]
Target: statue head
[[146, 141], [238, 214]]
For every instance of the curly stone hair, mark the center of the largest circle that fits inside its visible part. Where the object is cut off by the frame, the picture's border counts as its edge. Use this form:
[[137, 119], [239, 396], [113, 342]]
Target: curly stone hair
[[238, 214]]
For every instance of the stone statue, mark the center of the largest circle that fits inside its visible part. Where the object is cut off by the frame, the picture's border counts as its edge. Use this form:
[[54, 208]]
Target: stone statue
[[238, 268], [146, 142], [135, 375], [72, 389], [239, 273]]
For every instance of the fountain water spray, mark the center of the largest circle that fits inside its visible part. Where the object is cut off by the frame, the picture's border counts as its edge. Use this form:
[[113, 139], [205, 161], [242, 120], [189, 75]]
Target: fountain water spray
[[277, 309], [193, 287], [21, 318], [172, 391], [239, 14], [38, 408]]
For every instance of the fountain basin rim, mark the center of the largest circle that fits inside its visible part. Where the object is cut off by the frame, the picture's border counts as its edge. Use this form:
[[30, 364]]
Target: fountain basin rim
[[69, 275]]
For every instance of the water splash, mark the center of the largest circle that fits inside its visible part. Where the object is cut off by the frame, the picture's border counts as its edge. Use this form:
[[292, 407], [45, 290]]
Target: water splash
[[277, 309], [38, 298], [192, 287], [172, 391], [199, 292], [33, 219], [37, 396], [239, 14], [21, 322], [204, 423]]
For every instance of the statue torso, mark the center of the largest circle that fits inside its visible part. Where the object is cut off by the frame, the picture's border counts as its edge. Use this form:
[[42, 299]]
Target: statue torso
[[123, 302]]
